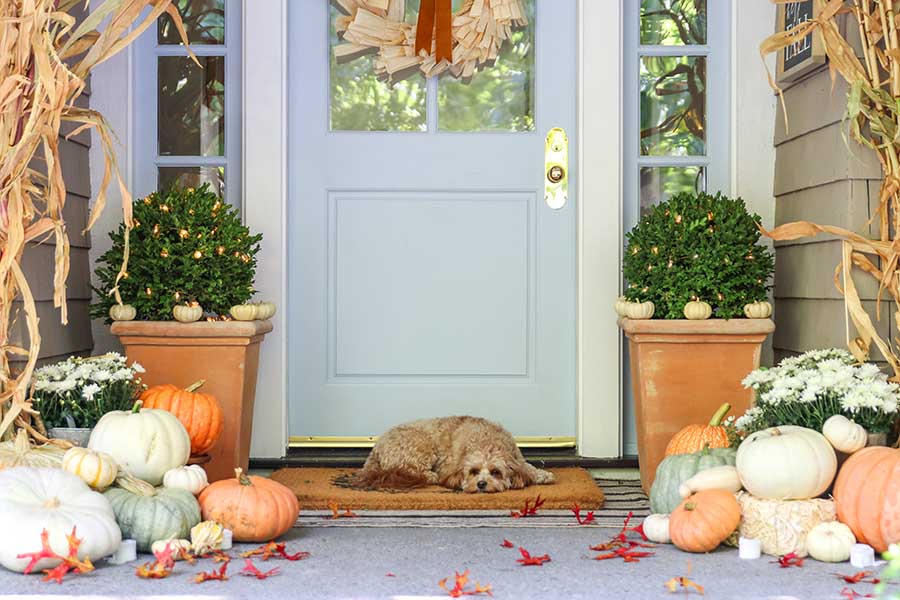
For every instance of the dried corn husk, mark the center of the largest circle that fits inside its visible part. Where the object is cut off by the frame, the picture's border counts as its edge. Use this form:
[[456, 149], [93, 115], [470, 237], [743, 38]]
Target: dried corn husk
[[479, 29], [47, 59], [873, 114], [206, 536], [781, 526]]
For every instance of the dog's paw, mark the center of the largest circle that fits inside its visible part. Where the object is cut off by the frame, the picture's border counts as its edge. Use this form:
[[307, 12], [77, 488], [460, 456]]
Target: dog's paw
[[544, 477]]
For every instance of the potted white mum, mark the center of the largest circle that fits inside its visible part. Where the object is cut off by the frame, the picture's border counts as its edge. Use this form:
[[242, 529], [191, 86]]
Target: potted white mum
[[73, 394]]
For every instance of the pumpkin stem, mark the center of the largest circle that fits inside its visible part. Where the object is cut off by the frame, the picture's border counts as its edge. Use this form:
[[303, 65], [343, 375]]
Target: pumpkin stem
[[52, 502], [689, 506], [719, 415], [195, 386], [137, 406], [242, 479]]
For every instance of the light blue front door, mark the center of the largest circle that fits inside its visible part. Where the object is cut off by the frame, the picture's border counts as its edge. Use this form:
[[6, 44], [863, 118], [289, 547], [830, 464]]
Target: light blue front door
[[427, 275]]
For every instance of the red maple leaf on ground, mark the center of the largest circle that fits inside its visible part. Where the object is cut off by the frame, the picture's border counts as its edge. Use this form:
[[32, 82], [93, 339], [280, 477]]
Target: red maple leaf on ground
[[619, 546], [250, 570], [860, 577], [528, 560], [789, 560], [587, 519], [152, 570], [69, 562], [507, 544], [274, 550], [213, 575], [529, 510], [853, 594], [460, 581], [684, 584], [337, 514]]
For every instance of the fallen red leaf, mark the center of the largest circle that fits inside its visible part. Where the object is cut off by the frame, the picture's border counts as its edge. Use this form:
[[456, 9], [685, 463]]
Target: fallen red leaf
[[250, 570], [459, 586], [625, 553], [274, 550], [789, 560], [860, 577], [69, 562], [337, 514], [683, 583], [507, 544], [166, 556], [45, 552], [852, 594], [529, 560], [152, 570], [619, 546], [529, 510], [213, 575], [587, 519], [389, 575]]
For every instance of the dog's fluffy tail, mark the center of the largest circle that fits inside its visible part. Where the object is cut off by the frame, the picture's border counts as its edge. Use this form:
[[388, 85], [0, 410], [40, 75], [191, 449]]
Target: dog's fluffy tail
[[391, 479]]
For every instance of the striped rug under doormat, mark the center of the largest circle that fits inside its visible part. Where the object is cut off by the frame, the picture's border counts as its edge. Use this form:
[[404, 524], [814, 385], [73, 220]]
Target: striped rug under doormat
[[622, 496]]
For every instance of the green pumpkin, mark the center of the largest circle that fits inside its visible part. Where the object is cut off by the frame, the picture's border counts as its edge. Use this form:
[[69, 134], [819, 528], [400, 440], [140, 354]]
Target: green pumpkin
[[678, 468], [148, 514]]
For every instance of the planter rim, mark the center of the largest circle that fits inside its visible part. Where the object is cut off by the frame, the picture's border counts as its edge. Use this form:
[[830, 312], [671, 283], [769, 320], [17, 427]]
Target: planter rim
[[707, 326], [198, 329]]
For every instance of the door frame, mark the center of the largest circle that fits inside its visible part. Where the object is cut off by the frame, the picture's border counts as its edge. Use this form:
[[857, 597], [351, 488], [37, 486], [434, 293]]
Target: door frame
[[599, 219]]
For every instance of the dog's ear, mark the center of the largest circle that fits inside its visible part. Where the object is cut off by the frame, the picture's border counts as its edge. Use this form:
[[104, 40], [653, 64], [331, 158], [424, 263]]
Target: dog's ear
[[453, 481], [519, 476]]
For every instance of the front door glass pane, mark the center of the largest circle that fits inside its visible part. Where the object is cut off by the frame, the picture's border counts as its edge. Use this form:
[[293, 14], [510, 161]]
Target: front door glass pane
[[658, 184], [673, 105], [191, 104], [673, 22], [193, 177], [204, 23]]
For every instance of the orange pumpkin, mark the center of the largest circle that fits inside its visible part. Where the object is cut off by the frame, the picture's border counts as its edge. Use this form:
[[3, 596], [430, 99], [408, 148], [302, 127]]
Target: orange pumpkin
[[199, 413], [867, 496], [704, 520], [694, 438], [255, 509]]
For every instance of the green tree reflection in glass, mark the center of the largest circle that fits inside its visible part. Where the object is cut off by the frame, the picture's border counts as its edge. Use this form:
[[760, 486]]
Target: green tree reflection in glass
[[673, 22], [673, 105], [204, 23]]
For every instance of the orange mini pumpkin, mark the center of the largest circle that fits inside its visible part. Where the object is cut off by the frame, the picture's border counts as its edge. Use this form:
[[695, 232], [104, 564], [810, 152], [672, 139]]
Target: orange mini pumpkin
[[867, 496], [704, 520], [199, 413], [255, 509], [694, 438]]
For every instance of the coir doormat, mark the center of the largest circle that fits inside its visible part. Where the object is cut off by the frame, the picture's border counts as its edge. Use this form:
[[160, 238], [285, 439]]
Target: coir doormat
[[316, 489]]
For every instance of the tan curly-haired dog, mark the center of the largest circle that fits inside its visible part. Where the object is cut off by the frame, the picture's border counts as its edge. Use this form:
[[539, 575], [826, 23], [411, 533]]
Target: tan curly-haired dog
[[460, 453]]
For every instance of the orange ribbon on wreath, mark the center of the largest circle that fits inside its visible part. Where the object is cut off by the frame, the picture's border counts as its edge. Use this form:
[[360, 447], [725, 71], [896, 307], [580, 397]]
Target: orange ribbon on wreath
[[435, 18]]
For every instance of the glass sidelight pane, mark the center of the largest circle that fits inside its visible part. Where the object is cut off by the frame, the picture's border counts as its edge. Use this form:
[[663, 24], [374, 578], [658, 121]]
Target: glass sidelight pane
[[191, 106], [673, 22], [193, 177], [204, 23], [360, 101], [661, 183], [673, 106], [499, 97]]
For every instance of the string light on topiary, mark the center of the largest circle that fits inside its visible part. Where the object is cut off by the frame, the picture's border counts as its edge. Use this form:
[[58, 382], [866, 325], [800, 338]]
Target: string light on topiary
[[220, 250], [198, 255], [164, 253], [678, 219], [156, 229], [147, 200], [164, 208], [183, 233], [149, 292]]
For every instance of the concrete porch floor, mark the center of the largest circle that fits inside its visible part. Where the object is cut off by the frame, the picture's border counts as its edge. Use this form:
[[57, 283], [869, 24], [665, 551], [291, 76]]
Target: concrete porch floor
[[353, 563]]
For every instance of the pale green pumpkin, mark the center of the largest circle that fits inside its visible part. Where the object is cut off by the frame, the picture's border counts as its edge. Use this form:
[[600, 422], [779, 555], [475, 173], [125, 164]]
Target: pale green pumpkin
[[149, 514], [678, 468]]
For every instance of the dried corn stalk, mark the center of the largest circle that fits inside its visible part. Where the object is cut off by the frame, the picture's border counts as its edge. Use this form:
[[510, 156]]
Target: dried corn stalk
[[479, 27], [46, 60], [873, 115]]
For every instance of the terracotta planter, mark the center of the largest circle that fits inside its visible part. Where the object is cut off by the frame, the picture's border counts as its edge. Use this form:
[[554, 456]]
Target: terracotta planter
[[225, 354], [682, 371]]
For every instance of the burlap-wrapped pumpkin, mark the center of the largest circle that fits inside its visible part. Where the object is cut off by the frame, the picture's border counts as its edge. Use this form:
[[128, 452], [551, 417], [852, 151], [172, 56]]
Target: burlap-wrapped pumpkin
[[781, 526]]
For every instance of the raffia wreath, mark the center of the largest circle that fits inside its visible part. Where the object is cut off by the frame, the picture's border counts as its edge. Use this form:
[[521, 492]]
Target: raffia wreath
[[460, 43]]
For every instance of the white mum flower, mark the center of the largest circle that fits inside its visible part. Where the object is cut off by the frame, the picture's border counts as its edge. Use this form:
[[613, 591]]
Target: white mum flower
[[89, 391]]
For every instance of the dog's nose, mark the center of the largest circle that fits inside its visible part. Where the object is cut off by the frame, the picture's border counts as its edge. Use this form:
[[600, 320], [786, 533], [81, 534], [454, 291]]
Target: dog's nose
[[482, 484]]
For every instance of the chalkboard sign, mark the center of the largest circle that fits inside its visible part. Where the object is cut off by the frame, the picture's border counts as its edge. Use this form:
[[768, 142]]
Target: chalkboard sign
[[806, 53]]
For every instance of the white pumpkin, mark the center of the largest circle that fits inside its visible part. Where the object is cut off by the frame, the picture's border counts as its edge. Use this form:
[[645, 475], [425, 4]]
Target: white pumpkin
[[187, 313], [656, 528], [265, 310], [146, 443], [724, 477], [177, 547], [122, 312], [786, 463], [830, 542], [191, 478], [97, 469], [620, 305], [32, 500], [244, 312], [845, 435], [639, 310], [696, 310], [758, 310]]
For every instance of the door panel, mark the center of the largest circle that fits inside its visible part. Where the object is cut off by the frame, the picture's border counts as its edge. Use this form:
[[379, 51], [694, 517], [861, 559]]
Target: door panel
[[426, 274]]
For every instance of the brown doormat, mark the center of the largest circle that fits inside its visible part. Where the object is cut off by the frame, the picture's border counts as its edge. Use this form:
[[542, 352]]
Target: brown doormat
[[316, 490]]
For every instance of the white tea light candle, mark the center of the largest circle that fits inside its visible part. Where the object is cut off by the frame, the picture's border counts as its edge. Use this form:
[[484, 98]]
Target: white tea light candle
[[126, 552], [749, 549], [862, 556], [227, 537]]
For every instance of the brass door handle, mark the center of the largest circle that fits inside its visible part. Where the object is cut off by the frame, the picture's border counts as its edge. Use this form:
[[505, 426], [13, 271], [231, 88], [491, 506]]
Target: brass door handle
[[556, 168]]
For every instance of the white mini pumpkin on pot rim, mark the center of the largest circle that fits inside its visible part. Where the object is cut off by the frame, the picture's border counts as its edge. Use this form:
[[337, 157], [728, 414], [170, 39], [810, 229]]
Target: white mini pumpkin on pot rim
[[639, 310], [758, 310], [697, 310], [189, 477]]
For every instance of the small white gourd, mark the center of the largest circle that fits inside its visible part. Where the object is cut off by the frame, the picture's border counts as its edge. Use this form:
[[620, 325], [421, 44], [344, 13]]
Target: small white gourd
[[697, 310], [845, 435], [620, 305], [190, 477], [639, 310], [176, 546], [656, 528], [830, 542], [265, 310], [724, 477], [97, 469], [187, 313], [122, 312], [758, 310], [244, 312]]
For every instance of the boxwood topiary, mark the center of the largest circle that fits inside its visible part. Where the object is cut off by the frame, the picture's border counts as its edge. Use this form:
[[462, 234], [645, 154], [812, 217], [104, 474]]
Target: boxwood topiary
[[697, 246], [187, 245]]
